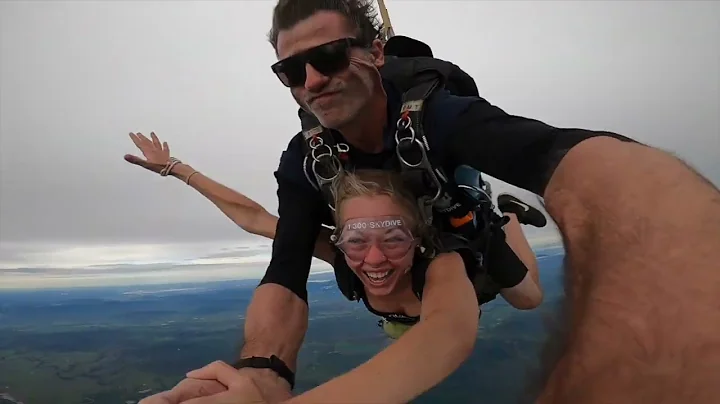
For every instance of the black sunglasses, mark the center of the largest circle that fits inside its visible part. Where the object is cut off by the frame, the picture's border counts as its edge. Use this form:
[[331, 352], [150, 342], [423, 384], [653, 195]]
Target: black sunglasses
[[328, 59]]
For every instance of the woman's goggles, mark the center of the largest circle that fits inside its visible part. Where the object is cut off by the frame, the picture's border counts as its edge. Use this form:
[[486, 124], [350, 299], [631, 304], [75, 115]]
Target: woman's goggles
[[389, 234]]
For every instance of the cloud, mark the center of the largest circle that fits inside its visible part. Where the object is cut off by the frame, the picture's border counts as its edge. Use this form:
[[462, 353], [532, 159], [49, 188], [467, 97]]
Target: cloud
[[63, 256], [75, 79], [139, 265]]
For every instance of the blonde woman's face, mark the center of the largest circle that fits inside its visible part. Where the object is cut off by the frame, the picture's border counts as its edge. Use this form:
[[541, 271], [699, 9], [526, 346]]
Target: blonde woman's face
[[375, 237]]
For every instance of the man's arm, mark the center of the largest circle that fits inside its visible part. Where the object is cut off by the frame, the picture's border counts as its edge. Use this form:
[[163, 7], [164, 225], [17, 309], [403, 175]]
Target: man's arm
[[520, 151], [642, 322], [277, 317], [641, 231]]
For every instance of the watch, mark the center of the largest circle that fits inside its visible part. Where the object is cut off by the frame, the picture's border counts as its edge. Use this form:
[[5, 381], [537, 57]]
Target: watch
[[273, 363]]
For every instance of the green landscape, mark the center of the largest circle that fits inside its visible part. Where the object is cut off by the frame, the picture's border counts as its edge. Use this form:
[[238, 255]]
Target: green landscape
[[106, 346]]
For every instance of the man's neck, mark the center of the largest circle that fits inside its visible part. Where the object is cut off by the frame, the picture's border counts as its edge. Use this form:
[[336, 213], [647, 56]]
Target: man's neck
[[366, 132]]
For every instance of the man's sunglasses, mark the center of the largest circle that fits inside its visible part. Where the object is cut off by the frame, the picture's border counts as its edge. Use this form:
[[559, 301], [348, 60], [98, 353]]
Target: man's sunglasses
[[328, 59]]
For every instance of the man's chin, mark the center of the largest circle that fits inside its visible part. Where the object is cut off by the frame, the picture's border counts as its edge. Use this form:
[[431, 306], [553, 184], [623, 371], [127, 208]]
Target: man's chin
[[333, 118], [333, 121]]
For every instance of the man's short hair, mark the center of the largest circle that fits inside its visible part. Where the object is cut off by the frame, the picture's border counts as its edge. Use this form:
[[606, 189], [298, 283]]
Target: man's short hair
[[360, 13], [403, 46]]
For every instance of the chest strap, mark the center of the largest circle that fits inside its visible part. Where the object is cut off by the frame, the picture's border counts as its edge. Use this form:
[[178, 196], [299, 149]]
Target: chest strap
[[324, 157], [412, 147]]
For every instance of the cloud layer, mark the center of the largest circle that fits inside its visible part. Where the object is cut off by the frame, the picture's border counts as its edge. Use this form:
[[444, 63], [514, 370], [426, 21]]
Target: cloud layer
[[28, 267]]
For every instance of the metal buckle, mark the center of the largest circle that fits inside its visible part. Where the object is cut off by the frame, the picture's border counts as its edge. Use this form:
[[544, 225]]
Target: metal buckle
[[405, 124], [319, 151]]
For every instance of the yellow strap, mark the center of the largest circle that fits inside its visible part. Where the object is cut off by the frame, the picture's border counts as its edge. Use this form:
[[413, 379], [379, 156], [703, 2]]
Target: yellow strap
[[387, 25]]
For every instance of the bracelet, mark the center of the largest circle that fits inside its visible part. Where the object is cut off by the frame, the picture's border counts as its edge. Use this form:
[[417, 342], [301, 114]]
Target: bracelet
[[190, 176], [169, 166]]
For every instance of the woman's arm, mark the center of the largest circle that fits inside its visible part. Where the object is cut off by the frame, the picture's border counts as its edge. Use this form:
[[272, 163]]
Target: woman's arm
[[517, 241], [527, 294], [432, 349], [245, 212]]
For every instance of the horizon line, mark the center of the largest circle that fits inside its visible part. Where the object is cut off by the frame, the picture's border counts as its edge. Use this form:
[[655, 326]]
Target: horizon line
[[189, 274]]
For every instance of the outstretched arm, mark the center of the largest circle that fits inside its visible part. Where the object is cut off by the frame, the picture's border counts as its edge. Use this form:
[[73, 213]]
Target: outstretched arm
[[243, 211], [425, 355], [277, 318], [640, 230], [641, 233]]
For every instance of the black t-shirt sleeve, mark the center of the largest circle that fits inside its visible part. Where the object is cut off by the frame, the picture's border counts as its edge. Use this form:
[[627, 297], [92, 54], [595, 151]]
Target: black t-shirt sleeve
[[521, 151], [300, 217]]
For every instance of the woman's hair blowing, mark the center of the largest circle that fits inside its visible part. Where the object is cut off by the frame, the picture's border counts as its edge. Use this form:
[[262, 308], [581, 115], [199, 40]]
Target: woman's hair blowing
[[371, 182]]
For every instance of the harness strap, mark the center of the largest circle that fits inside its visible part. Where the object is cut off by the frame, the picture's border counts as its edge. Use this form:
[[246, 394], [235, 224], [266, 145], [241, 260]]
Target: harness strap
[[324, 157], [412, 146]]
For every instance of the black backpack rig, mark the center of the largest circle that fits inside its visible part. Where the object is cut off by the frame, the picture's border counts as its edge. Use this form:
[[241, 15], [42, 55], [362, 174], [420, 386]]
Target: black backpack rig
[[326, 157]]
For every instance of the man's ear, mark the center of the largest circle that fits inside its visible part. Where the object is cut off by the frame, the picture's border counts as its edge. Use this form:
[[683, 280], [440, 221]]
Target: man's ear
[[377, 49]]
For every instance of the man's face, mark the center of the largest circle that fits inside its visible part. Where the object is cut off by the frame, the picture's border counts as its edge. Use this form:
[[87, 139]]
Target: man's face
[[337, 97]]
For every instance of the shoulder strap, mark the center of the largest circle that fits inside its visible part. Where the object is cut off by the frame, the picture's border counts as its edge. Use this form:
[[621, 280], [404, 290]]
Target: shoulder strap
[[412, 146], [324, 157], [347, 281], [403, 72], [418, 271], [417, 78]]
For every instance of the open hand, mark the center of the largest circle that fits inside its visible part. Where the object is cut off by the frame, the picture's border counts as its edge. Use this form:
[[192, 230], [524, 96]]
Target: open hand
[[156, 154]]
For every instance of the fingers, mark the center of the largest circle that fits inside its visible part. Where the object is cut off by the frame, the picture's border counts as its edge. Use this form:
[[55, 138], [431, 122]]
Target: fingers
[[143, 139], [136, 140], [166, 147], [156, 141], [245, 392], [185, 390], [192, 388], [159, 398], [217, 370], [227, 397]]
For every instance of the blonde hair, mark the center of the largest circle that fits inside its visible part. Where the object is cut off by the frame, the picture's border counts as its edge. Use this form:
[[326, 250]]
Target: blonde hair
[[372, 182]]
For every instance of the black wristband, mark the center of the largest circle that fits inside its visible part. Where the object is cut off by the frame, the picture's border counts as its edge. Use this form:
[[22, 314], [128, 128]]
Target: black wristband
[[273, 363]]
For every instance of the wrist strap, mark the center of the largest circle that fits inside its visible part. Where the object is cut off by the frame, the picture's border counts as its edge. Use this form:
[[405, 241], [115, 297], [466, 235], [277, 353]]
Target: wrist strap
[[273, 363]]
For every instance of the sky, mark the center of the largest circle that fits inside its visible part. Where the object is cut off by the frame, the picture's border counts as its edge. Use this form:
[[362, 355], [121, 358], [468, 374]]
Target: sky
[[76, 77]]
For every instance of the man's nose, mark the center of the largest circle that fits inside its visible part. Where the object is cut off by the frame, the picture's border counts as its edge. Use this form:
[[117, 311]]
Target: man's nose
[[375, 256], [314, 80]]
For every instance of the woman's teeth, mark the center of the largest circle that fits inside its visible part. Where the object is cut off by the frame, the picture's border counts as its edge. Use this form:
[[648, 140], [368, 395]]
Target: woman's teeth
[[378, 276]]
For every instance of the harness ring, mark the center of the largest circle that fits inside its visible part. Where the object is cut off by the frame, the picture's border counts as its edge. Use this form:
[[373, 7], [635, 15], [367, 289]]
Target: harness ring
[[334, 161], [413, 140], [316, 156], [315, 142]]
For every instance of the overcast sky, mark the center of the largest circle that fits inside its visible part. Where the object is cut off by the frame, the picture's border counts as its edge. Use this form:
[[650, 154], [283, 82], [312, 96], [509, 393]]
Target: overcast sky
[[75, 78]]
